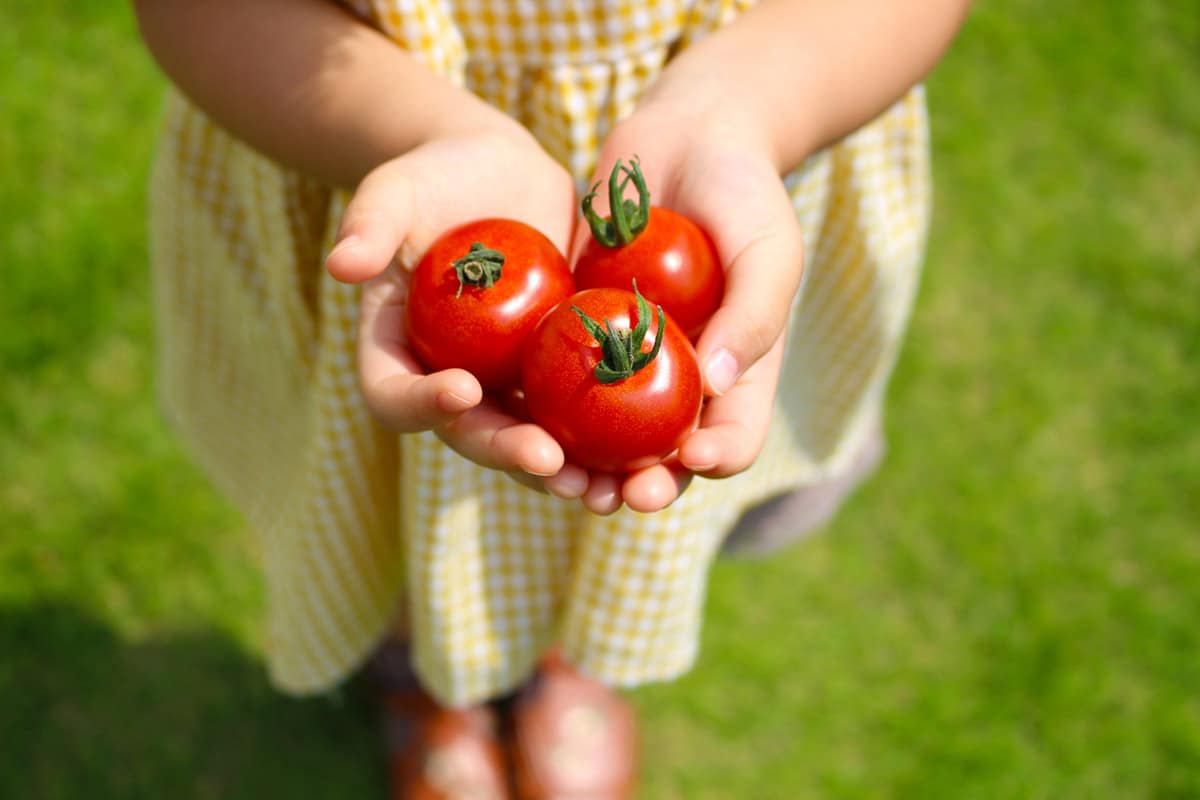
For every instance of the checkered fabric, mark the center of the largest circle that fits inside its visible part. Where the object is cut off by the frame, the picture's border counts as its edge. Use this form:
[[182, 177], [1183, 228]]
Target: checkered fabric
[[257, 371]]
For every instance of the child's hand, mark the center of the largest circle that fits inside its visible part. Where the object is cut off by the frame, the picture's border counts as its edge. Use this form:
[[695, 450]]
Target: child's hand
[[395, 214], [719, 174]]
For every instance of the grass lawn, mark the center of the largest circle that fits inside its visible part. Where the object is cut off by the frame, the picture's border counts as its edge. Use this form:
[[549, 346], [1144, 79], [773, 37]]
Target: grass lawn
[[1008, 611]]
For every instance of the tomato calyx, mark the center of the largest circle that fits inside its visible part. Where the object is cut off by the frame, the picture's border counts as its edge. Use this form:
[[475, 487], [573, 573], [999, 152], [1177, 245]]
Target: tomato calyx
[[622, 348], [628, 218], [480, 267]]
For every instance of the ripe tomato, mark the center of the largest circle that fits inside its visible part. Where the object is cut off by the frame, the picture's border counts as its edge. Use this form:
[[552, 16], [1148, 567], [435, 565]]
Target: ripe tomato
[[476, 295], [616, 385], [673, 260]]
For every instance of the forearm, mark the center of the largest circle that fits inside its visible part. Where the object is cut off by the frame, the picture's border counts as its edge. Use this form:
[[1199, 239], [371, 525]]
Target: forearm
[[804, 73], [305, 82]]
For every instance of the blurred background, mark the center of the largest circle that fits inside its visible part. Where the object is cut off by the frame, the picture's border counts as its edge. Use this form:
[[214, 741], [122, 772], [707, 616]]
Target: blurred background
[[1010, 610]]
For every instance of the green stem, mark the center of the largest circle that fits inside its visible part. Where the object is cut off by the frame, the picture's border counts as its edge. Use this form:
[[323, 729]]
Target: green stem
[[622, 348], [480, 267], [628, 218]]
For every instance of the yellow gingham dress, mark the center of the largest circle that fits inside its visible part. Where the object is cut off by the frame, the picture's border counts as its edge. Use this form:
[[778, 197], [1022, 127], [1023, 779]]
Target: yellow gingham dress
[[257, 371]]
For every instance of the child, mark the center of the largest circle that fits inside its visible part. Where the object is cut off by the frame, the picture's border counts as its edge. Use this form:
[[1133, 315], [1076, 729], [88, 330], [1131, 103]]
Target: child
[[303, 128]]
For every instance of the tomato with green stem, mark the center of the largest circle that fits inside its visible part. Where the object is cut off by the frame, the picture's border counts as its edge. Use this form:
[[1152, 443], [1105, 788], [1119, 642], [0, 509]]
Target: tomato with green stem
[[672, 258], [476, 295], [617, 386]]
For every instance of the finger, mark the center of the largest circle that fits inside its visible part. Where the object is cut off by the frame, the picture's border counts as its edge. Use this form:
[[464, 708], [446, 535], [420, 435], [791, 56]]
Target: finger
[[406, 402], [654, 488], [733, 427], [760, 244], [374, 225], [569, 483], [395, 387], [760, 284], [491, 438], [603, 495], [528, 481]]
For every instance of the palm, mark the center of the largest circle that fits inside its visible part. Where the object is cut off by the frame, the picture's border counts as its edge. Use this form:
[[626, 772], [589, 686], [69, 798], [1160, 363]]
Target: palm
[[739, 199], [395, 215], [450, 181]]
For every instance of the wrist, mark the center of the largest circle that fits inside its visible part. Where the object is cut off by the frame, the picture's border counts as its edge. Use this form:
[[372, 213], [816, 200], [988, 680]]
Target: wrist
[[713, 106], [464, 113]]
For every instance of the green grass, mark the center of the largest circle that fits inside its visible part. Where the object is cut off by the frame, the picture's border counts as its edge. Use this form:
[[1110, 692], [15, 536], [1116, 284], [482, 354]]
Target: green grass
[[1008, 611]]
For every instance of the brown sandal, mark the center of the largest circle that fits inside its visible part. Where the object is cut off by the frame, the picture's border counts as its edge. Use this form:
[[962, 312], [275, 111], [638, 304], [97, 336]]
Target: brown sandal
[[570, 738], [436, 753], [440, 753]]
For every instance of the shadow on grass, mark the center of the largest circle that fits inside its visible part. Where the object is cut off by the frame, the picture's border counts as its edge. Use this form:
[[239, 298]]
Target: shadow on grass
[[183, 715]]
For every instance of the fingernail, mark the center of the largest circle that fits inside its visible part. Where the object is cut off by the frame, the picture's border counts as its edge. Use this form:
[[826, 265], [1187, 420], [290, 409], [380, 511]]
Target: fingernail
[[570, 484], [348, 243], [544, 455], [453, 403], [721, 369]]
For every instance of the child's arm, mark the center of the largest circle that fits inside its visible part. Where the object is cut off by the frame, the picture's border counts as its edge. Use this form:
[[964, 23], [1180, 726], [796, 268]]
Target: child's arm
[[318, 90], [807, 72], [306, 83], [725, 119]]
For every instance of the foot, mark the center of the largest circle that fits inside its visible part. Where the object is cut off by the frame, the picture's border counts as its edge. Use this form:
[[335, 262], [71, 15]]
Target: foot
[[435, 753], [438, 753], [571, 738]]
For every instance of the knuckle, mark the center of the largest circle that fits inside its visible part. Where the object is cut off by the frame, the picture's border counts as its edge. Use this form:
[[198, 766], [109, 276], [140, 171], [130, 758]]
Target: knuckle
[[395, 405], [743, 448]]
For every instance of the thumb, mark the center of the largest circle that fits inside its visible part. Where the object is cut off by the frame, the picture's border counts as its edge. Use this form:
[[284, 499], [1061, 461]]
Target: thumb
[[761, 280], [374, 225]]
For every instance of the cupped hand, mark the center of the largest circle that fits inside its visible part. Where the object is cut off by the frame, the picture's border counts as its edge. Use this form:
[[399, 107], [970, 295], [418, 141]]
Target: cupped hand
[[720, 174], [397, 211]]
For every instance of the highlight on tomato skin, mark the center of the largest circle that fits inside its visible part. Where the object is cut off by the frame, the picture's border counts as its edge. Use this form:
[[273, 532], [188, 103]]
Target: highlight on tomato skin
[[673, 260], [476, 295], [605, 420]]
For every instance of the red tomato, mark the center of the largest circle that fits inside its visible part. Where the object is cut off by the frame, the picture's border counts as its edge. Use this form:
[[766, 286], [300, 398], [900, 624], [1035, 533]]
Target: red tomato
[[672, 259], [577, 388], [477, 294]]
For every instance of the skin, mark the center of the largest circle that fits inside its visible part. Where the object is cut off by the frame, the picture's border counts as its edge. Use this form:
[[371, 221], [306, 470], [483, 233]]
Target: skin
[[712, 148]]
